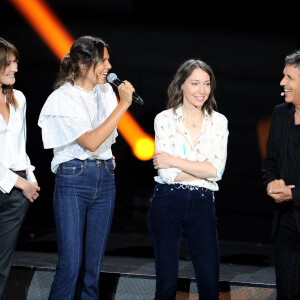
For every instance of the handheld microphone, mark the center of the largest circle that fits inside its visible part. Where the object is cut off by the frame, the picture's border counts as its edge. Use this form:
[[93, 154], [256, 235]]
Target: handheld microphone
[[282, 94], [113, 78]]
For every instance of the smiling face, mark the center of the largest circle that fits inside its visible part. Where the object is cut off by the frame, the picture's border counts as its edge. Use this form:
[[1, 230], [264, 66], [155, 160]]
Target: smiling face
[[291, 84], [7, 72], [97, 73], [196, 88]]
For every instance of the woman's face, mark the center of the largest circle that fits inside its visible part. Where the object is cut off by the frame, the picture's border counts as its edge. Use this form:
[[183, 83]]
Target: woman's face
[[7, 73], [196, 88], [98, 73]]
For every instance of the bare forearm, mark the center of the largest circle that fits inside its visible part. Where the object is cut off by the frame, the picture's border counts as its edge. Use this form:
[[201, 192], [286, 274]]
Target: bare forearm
[[93, 139], [196, 169], [185, 177]]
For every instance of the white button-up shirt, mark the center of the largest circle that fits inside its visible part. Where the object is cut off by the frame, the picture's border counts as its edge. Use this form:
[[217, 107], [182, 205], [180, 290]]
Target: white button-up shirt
[[13, 154], [172, 137], [69, 112]]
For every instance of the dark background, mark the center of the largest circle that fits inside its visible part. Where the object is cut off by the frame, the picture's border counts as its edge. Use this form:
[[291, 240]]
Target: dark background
[[245, 44]]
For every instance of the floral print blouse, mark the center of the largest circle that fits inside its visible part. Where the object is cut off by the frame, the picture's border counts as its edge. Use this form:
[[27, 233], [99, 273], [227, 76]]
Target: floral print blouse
[[172, 137]]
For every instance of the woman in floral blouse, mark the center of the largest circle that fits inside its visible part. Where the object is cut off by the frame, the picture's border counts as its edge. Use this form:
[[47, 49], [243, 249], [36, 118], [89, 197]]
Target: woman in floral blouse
[[191, 150]]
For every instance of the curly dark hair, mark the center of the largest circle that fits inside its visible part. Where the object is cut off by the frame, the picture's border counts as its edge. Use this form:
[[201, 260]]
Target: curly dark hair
[[86, 50]]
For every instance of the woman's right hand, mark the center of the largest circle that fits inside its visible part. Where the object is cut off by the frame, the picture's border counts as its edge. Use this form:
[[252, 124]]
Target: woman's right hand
[[125, 91], [29, 189]]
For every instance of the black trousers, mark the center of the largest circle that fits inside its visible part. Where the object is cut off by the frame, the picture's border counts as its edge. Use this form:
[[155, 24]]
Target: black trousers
[[287, 259], [13, 208]]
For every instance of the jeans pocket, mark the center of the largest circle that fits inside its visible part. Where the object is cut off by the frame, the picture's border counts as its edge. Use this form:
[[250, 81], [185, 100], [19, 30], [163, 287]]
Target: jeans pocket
[[163, 189], [109, 167], [69, 170]]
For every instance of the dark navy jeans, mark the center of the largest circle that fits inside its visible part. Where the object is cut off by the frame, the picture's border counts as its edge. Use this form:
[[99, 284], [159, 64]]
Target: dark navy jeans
[[84, 197], [177, 212]]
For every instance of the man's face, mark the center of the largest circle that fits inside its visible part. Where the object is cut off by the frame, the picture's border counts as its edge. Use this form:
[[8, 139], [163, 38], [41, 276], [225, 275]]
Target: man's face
[[291, 84]]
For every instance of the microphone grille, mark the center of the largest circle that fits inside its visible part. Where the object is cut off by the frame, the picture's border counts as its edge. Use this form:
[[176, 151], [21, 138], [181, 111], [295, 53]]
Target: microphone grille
[[111, 77]]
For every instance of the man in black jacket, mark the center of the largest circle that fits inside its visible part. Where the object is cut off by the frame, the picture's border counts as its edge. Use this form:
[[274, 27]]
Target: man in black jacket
[[281, 173]]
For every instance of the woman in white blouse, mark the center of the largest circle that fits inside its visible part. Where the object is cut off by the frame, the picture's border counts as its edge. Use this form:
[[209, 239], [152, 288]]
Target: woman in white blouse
[[190, 156], [79, 122], [18, 186]]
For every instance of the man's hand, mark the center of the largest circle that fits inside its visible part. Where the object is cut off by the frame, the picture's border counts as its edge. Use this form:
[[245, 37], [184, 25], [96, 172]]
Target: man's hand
[[279, 191]]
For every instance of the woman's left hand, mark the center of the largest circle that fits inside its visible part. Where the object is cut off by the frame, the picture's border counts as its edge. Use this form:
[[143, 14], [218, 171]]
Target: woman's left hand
[[162, 160]]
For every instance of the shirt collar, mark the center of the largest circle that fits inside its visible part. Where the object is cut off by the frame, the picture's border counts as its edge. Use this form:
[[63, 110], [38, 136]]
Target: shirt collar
[[179, 116]]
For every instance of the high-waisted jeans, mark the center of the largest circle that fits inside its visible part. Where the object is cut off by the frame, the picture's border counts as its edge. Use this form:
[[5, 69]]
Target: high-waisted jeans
[[177, 211], [83, 201]]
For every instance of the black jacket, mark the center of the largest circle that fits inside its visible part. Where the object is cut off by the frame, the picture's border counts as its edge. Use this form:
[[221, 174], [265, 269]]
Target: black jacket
[[275, 164]]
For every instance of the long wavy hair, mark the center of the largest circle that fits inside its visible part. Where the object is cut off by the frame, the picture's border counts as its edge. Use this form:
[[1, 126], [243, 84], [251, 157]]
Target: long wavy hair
[[87, 51], [175, 93], [7, 48]]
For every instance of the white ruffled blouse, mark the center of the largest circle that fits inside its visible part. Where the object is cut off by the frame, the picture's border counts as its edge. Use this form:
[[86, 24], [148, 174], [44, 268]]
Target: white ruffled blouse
[[69, 112], [172, 137]]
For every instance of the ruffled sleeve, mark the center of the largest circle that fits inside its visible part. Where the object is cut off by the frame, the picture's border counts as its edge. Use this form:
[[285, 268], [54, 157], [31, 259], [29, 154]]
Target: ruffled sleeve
[[63, 118]]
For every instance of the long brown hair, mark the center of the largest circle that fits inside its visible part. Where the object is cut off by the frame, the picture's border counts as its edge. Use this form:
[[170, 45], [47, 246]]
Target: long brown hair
[[175, 94], [87, 51], [7, 48]]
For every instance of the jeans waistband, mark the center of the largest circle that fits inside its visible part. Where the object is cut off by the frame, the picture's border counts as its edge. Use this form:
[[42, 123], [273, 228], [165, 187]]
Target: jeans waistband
[[89, 162]]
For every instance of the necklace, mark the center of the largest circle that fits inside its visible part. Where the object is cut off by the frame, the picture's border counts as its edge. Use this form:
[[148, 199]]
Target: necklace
[[194, 122]]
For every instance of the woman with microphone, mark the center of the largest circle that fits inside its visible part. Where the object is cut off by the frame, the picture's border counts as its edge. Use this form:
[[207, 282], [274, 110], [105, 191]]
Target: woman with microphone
[[79, 122]]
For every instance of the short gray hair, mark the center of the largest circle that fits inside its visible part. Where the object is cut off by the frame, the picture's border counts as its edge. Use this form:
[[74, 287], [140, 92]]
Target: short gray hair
[[293, 59]]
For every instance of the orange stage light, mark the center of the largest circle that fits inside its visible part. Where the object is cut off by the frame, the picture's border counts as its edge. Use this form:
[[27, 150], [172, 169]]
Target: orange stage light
[[43, 20], [40, 16]]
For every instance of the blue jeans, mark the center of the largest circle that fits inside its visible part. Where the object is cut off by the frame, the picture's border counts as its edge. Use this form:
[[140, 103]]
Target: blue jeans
[[175, 212], [83, 201]]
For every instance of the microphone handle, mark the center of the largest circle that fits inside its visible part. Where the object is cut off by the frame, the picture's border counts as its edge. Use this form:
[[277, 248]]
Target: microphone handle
[[116, 82]]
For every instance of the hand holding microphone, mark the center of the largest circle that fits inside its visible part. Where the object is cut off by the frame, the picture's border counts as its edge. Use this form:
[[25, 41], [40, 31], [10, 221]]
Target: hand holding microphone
[[113, 79]]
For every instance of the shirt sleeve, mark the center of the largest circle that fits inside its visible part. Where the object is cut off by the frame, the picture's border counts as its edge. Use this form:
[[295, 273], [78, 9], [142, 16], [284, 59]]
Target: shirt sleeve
[[162, 143], [63, 119], [218, 153], [7, 179], [29, 170]]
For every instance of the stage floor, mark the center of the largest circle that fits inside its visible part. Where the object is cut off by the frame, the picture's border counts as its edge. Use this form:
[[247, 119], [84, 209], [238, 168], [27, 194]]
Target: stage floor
[[245, 263], [128, 271]]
